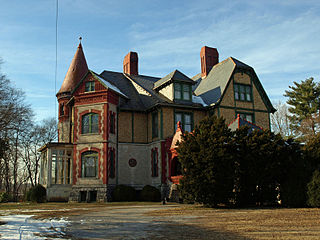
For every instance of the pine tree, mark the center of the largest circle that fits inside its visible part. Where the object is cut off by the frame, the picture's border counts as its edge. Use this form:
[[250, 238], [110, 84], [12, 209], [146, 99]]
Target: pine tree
[[208, 163], [304, 99]]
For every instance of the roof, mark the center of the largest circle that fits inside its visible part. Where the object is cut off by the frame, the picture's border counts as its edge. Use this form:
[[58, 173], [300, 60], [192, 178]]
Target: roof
[[211, 89], [239, 122], [77, 70], [140, 92], [176, 75]]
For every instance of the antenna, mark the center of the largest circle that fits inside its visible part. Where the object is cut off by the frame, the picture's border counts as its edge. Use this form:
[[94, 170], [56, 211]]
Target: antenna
[[56, 67]]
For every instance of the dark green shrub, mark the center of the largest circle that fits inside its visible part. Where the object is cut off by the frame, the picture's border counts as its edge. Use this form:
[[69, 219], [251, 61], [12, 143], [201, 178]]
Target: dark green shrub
[[314, 190], [4, 197], [123, 193], [150, 194], [37, 194]]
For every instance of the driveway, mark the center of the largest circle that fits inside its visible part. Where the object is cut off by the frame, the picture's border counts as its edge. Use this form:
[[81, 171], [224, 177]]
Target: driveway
[[128, 222]]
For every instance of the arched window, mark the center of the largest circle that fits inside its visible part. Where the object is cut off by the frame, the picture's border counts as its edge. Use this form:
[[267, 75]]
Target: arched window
[[90, 123], [89, 166]]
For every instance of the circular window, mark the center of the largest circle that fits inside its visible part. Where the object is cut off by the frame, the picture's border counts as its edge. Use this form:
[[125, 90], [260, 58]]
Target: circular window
[[132, 162]]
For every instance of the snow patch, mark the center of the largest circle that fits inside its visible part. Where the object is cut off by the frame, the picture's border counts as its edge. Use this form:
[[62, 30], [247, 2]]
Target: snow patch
[[198, 99], [25, 227]]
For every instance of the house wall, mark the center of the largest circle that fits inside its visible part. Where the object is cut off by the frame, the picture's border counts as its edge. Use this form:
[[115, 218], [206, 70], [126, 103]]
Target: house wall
[[229, 106], [168, 92], [141, 174]]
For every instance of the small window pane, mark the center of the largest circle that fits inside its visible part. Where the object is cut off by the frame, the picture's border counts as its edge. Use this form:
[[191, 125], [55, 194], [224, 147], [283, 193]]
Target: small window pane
[[249, 118], [177, 91], [236, 95], [187, 127], [85, 124], [186, 92], [187, 119], [94, 123]]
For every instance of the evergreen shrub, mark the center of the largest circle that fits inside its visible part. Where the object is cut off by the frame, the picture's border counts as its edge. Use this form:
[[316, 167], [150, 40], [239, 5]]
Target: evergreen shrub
[[150, 194], [314, 190], [4, 197], [123, 193], [37, 194]]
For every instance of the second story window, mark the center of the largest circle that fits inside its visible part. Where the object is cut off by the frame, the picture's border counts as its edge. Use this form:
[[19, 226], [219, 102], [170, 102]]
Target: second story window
[[243, 92], [155, 124], [112, 122], [185, 119], [89, 86], [90, 123], [182, 91]]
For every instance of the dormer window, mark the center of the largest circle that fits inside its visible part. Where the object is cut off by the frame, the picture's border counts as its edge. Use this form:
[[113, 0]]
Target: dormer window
[[89, 86], [182, 91]]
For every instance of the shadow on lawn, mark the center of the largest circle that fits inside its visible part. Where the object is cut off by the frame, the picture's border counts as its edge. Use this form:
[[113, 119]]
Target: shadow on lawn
[[97, 228]]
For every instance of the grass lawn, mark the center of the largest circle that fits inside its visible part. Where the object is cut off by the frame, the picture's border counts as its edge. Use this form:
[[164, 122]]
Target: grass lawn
[[200, 222], [273, 223]]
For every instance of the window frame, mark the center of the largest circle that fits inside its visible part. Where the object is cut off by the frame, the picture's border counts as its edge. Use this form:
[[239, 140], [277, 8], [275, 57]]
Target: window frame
[[180, 87], [246, 114], [83, 164], [183, 118], [247, 90], [90, 123], [89, 86]]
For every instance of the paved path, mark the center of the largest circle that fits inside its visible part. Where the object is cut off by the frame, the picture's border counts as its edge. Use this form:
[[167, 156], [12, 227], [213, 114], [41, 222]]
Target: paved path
[[128, 222]]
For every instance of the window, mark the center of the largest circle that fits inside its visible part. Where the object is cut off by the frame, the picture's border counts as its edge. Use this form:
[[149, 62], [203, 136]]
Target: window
[[155, 124], [182, 91], [112, 163], [89, 164], [90, 123], [242, 92], [89, 86], [112, 122], [154, 162], [186, 120], [246, 116], [61, 109]]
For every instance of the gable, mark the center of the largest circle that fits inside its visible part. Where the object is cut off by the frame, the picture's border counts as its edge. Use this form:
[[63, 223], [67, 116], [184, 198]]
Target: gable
[[89, 77]]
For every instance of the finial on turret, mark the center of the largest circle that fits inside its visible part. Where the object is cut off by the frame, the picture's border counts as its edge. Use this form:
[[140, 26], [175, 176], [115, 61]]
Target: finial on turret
[[80, 38]]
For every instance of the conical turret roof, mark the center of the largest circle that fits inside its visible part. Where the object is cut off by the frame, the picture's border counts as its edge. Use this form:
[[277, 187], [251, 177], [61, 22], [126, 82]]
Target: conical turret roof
[[78, 68]]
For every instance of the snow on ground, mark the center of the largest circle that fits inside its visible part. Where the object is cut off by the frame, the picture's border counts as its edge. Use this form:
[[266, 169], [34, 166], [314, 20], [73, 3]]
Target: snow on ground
[[25, 227]]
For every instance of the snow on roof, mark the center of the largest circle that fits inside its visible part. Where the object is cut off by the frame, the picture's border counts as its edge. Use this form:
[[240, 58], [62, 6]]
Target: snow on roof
[[198, 99], [109, 85]]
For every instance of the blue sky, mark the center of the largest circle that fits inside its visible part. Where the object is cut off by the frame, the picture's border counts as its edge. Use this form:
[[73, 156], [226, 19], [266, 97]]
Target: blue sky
[[279, 39]]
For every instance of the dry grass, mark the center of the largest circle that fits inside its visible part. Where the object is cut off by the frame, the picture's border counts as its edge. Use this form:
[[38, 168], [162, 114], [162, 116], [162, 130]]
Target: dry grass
[[278, 223]]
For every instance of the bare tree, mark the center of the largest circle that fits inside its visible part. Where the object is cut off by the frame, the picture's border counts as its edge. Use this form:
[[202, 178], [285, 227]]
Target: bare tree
[[280, 122]]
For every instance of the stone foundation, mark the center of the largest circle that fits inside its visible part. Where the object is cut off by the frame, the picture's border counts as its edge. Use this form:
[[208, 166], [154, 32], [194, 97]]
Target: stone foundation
[[89, 193]]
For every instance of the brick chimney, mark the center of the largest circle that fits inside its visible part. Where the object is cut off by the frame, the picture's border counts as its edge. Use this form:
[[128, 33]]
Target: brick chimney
[[130, 63], [209, 57]]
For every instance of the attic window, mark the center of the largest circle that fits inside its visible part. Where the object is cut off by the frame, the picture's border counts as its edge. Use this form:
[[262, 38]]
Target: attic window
[[182, 91], [89, 86], [243, 92]]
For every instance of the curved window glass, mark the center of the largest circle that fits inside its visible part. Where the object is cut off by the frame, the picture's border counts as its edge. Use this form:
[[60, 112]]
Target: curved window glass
[[90, 123], [89, 166]]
